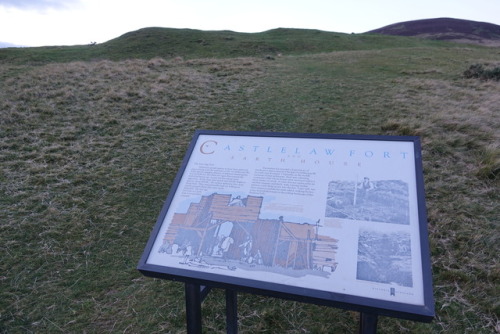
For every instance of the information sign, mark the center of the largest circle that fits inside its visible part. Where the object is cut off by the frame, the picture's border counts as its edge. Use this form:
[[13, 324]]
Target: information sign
[[337, 220]]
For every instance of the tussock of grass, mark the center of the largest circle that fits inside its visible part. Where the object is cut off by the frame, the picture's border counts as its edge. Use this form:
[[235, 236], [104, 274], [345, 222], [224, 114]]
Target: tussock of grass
[[88, 151], [489, 162], [483, 72]]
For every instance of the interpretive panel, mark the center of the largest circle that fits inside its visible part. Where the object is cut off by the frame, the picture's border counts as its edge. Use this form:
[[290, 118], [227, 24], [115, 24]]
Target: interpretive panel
[[334, 218]]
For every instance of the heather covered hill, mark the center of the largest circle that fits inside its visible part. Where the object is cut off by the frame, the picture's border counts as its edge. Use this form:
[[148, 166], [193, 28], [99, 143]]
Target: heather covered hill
[[447, 29]]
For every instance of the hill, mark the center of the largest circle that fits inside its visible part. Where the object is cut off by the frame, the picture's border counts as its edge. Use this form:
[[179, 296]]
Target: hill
[[446, 29], [168, 43], [8, 45]]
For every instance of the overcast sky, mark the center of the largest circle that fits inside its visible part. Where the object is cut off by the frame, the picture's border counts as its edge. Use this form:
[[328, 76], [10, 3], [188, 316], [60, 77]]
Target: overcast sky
[[70, 22]]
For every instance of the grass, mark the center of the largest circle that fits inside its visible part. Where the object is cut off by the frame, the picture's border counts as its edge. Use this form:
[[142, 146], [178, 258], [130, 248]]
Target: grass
[[88, 150]]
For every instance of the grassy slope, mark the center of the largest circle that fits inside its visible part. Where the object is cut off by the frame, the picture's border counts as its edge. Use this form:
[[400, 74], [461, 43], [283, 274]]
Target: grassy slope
[[88, 150], [169, 43]]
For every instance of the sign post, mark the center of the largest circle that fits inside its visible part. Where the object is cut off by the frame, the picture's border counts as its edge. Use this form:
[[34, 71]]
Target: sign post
[[193, 307], [336, 220], [367, 323], [231, 311]]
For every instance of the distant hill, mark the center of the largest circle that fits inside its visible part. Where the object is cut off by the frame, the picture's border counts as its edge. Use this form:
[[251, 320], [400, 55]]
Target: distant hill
[[8, 45], [446, 29]]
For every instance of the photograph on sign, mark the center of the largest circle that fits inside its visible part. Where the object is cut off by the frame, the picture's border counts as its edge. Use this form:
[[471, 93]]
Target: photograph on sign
[[338, 215]]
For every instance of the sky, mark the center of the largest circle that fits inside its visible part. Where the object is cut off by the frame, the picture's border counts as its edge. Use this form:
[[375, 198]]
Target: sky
[[77, 22]]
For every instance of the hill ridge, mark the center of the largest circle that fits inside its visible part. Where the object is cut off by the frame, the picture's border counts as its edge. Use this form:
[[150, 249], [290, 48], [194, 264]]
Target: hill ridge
[[151, 42]]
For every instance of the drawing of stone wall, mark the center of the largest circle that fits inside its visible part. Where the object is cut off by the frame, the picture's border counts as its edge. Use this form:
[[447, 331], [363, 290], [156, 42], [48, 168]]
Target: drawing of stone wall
[[226, 228]]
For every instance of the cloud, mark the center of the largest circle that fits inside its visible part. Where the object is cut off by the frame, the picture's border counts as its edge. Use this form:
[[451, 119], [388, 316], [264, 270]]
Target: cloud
[[38, 4]]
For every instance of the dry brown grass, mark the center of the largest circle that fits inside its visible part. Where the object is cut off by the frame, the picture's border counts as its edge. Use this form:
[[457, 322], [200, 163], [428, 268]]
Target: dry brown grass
[[458, 122], [78, 141]]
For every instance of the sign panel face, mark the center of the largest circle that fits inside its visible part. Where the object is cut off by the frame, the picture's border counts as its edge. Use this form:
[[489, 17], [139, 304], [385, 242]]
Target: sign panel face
[[332, 217]]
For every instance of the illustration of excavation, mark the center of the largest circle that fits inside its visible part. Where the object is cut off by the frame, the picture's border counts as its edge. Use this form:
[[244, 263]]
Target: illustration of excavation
[[226, 232]]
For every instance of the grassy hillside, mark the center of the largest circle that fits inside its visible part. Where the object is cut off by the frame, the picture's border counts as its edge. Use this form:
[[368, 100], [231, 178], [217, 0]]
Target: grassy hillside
[[88, 150], [187, 43]]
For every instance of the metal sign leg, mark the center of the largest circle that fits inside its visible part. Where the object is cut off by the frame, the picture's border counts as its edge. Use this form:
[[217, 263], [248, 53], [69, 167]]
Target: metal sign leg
[[367, 323], [231, 312], [194, 297], [193, 308]]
